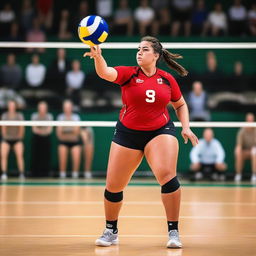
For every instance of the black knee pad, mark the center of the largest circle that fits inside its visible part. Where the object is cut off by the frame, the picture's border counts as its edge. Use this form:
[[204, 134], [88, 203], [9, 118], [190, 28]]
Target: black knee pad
[[113, 197], [170, 186]]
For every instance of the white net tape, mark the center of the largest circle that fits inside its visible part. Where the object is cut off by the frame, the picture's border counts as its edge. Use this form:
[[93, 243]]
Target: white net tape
[[113, 123], [129, 45]]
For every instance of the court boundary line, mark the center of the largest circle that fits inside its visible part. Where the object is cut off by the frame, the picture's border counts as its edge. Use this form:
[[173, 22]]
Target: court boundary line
[[120, 235], [191, 203], [142, 184], [129, 217]]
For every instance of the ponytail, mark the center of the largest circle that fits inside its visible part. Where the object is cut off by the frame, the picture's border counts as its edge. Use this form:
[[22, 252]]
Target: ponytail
[[168, 57]]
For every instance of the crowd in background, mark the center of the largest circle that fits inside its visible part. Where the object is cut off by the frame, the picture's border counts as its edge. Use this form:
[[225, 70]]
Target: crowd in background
[[64, 78], [36, 20], [63, 81], [72, 140]]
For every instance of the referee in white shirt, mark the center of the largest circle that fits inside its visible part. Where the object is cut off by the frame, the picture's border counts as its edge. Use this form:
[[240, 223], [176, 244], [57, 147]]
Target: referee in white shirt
[[207, 158]]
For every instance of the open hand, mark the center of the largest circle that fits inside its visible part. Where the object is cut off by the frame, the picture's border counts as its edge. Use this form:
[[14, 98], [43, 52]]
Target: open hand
[[94, 53], [188, 134]]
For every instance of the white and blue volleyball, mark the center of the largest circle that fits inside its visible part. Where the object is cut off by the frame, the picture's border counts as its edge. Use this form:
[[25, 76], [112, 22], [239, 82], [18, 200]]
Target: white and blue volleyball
[[93, 30]]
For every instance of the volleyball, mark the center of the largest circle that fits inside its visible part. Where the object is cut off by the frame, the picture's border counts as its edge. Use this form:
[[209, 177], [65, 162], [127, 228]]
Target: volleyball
[[93, 30]]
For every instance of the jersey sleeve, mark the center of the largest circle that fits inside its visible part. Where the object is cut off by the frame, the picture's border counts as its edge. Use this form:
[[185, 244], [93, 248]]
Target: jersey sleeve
[[176, 93], [124, 73]]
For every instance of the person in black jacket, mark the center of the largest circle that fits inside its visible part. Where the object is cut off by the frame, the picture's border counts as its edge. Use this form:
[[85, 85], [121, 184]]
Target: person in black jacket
[[57, 72]]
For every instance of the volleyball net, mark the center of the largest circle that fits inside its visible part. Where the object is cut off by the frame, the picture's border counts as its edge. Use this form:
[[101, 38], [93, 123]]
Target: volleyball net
[[124, 54], [247, 53]]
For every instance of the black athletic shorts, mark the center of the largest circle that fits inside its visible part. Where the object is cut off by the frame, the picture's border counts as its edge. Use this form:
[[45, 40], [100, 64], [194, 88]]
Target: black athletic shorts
[[138, 139], [70, 144], [11, 142]]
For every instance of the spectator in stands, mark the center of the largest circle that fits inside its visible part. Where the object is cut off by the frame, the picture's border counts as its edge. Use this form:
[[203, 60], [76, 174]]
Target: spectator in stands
[[36, 35], [252, 19], [104, 8], [87, 136], [252, 82], [212, 78], [11, 73], [207, 158], [181, 13], [123, 20], [83, 11], [74, 80], [7, 16], [45, 13], [199, 17], [27, 15], [161, 24], [238, 81], [7, 94], [14, 35], [12, 137], [41, 142], [69, 141], [64, 25], [216, 24], [57, 72], [144, 16], [237, 18], [197, 103], [246, 149], [35, 73]]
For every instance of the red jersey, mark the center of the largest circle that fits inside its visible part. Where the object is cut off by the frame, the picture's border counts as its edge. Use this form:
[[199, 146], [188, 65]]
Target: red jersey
[[145, 98]]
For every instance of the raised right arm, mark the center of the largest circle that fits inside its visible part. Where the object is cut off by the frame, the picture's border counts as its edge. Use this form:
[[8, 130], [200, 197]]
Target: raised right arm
[[101, 67]]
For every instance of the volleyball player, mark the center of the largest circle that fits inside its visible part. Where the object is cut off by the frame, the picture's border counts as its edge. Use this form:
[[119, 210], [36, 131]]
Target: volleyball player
[[12, 139], [87, 136], [69, 141], [144, 129]]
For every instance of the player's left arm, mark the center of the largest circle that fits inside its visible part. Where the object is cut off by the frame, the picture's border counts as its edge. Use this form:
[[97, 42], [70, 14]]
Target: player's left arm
[[182, 113]]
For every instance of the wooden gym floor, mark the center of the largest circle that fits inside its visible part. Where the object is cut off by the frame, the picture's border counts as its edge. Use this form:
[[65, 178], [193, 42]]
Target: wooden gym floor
[[51, 217]]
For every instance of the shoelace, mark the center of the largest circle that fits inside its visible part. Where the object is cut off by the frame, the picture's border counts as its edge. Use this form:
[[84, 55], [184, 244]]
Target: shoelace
[[174, 235], [106, 234]]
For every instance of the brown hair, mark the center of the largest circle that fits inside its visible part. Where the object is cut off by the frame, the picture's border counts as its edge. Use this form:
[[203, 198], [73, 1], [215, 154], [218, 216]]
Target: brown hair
[[168, 57]]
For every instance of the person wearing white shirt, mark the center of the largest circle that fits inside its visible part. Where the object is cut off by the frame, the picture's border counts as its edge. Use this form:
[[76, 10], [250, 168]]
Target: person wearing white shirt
[[144, 15], [35, 72], [252, 20], [217, 22], [238, 17], [74, 80], [7, 16], [104, 8], [208, 157]]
